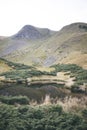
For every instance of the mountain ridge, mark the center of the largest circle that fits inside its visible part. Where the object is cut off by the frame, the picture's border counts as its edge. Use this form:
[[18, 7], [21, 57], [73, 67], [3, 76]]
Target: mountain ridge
[[64, 46], [33, 33]]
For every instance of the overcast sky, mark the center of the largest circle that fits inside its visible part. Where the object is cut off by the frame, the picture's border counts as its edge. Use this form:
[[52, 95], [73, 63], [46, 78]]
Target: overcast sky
[[53, 14]]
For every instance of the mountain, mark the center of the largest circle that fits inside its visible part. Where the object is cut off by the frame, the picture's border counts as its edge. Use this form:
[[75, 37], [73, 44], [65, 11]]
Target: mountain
[[32, 33], [43, 47]]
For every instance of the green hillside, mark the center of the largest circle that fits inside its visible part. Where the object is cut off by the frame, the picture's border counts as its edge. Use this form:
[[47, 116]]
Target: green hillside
[[69, 45]]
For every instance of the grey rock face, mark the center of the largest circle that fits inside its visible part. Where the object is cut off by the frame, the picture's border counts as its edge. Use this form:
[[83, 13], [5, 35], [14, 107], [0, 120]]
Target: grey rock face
[[32, 33]]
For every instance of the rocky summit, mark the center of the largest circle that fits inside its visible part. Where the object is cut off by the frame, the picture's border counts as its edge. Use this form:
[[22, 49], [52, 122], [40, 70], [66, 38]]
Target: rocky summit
[[32, 33]]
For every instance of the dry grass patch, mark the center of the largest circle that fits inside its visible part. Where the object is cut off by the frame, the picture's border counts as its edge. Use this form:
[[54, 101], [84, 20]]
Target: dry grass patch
[[47, 69], [4, 67], [76, 58], [73, 104], [69, 104]]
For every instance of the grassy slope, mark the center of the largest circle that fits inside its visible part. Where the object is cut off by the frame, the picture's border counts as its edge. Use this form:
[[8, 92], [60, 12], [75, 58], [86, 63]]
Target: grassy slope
[[4, 67], [69, 45]]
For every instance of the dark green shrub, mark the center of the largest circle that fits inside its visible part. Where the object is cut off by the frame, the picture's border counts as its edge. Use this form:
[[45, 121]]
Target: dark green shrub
[[76, 89], [55, 108], [49, 127], [38, 127], [15, 99], [84, 113], [26, 118]]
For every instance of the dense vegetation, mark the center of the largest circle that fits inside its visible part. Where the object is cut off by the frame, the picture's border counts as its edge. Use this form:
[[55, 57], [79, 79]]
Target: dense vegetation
[[40, 118], [18, 113], [11, 100], [21, 71], [74, 70]]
